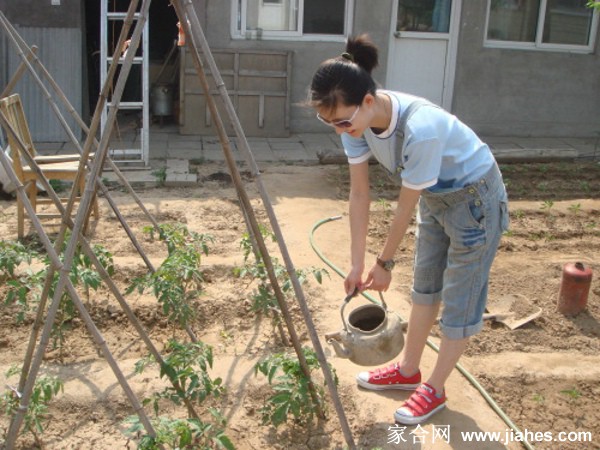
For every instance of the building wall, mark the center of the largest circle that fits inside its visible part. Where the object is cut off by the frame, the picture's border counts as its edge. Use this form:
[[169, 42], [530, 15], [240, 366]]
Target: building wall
[[372, 16], [523, 92], [39, 14]]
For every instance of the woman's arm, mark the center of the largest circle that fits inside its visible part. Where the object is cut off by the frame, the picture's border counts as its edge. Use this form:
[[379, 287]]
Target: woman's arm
[[379, 279], [359, 222]]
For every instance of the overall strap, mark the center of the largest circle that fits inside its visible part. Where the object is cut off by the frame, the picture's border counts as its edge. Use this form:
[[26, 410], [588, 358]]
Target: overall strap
[[400, 130]]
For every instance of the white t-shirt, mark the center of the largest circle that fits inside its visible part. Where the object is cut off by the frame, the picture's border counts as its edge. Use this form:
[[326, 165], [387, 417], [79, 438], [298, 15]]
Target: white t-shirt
[[440, 152]]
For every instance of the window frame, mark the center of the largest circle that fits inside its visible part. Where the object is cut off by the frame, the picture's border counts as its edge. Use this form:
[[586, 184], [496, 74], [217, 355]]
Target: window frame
[[238, 15], [538, 45]]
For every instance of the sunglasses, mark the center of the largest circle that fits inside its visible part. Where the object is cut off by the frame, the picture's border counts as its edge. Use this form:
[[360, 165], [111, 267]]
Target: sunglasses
[[346, 123]]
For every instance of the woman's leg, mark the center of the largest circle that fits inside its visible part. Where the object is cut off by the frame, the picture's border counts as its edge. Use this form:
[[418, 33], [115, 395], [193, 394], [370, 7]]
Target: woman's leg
[[421, 320], [449, 354]]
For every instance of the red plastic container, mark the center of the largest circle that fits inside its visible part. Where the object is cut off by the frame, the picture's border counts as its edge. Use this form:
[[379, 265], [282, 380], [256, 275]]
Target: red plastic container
[[180, 35], [574, 288]]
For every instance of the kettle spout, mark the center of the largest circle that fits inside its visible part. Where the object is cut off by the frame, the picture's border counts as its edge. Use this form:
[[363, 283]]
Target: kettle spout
[[334, 340]]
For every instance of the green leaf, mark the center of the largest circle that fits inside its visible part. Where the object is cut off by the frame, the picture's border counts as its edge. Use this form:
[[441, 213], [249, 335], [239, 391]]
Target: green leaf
[[280, 398], [279, 415], [224, 442]]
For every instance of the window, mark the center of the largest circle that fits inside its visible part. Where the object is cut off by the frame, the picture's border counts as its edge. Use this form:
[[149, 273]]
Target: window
[[431, 16], [257, 19], [543, 24]]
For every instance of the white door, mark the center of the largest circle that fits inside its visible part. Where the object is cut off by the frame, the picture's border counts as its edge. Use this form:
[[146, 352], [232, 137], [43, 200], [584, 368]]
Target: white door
[[422, 52]]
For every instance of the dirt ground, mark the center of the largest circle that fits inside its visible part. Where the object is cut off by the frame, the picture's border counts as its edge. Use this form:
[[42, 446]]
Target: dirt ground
[[544, 375]]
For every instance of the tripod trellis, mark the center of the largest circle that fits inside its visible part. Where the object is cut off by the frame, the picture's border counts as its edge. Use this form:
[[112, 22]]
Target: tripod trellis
[[198, 45], [191, 24]]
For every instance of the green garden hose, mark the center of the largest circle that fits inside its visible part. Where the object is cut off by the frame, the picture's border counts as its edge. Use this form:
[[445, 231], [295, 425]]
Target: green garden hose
[[488, 398]]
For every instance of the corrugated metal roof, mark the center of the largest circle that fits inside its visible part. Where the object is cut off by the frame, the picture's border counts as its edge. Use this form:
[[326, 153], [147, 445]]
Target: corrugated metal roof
[[61, 53]]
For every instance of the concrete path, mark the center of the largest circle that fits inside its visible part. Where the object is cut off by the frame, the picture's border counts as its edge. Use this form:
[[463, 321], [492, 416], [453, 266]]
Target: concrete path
[[168, 147]]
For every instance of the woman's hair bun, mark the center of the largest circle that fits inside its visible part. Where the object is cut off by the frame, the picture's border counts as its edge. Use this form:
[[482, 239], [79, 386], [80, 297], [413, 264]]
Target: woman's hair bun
[[364, 52]]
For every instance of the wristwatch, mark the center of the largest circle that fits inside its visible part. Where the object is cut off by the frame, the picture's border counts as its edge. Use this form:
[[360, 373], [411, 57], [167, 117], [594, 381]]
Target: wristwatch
[[387, 265]]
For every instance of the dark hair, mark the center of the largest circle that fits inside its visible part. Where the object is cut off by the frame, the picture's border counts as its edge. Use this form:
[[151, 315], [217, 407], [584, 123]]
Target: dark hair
[[345, 79]]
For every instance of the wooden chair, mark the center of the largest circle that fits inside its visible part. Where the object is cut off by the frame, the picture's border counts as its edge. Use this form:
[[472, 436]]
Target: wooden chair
[[58, 167]]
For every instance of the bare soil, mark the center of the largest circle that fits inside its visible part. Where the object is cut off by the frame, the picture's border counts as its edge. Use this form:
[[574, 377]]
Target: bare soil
[[544, 375]]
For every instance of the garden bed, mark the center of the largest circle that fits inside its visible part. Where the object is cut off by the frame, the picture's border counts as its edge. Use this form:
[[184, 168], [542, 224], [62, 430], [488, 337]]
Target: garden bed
[[544, 374]]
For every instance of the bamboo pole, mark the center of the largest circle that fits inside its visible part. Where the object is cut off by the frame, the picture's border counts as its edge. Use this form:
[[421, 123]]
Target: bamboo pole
[[194, 30], [64, 268], [63, 283], [102, 99], [63, 98], [248, 211], [15, 38], [21, 45], [245, 202], [87, 248]]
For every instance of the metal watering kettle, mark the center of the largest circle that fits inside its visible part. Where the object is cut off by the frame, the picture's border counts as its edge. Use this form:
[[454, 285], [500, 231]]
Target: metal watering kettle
[[372, 334]]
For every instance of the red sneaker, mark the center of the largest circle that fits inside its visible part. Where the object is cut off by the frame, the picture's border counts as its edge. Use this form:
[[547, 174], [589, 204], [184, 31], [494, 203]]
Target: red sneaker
[[420, 406], [388, 378]]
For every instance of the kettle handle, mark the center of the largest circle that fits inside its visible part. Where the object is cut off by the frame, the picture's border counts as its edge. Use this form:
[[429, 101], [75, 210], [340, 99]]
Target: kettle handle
[[350, 297]]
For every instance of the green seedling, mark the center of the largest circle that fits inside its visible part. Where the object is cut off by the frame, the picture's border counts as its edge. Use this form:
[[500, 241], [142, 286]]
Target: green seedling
[[24, 286], [575, 208], [181, 434], [12, 255], [186, 365], [177, 283], [44, 390], [547, 205], [264, 300], [291, 397]]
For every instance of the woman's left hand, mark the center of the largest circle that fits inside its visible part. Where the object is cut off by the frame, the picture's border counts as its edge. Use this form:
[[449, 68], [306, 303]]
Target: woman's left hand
[[378, 279]]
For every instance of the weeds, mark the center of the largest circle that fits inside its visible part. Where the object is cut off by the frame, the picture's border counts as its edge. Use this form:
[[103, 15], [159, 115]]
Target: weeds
[[385, 205], [519, 214], [59, 185], [572, 393], [585, 186], [161, 175], [539, 398]]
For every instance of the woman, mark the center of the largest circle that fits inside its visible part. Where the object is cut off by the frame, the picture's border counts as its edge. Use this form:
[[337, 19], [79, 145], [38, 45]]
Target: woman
[[445, 169]]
